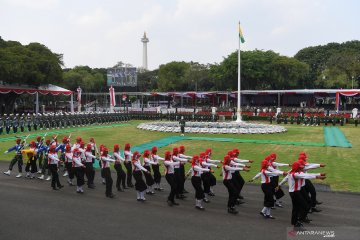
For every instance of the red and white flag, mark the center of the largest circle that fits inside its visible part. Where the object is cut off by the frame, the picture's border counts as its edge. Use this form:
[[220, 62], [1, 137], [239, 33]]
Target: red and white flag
[[124, 97], [112, 96], [78, 90]]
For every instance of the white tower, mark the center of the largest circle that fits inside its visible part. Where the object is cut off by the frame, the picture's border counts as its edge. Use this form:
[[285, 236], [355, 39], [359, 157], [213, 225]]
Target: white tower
[[145, 40]]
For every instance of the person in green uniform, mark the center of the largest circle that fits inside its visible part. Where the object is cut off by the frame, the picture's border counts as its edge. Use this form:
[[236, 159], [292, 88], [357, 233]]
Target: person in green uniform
[[182, 125]]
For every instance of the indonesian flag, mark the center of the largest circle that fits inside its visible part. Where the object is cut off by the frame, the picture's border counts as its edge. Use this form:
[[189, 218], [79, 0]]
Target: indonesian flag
[[78, 90], [241, 35], [124, 97], [112, 96]]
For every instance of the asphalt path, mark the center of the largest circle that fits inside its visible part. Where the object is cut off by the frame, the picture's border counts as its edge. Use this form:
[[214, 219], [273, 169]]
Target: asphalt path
[[31, 210]]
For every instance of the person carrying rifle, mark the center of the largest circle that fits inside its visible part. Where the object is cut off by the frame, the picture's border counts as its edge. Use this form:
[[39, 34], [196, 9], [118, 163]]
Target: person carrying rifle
[[17, 158]]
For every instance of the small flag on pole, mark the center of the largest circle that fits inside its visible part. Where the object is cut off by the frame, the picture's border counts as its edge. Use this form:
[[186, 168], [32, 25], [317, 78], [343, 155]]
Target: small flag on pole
[[241, 36], [79, 94], [112, 96]]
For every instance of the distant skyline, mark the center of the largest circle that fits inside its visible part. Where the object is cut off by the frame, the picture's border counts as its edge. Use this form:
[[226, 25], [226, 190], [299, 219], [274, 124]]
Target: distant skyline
[[102, 33]]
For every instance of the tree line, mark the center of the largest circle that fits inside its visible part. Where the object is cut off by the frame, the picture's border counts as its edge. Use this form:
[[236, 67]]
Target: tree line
[[334, 65]]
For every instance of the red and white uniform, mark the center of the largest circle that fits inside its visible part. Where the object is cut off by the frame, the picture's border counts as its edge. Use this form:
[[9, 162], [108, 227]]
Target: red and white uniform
[[155, 158], [88, 156], [137, 166], [296, 180], [148, 161], [118, 158], [105, 161], [127, 155], [176, 158], [228, 170], [53, 158], [76, 160], [198, 170], [170, 165], [68, 157]]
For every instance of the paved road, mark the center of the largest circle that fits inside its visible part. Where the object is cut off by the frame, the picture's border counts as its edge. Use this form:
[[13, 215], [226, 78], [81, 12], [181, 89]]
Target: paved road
[[30, 210]]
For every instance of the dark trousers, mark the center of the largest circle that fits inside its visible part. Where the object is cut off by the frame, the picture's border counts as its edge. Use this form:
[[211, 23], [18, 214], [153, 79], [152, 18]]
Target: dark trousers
[[170, 178], [212, 180], [90, 173], [70, 170], [79, 172], [299, 207], [45, 166], [121, 176], [18, 158], [238, 181], [199, 192], [55, 176], [306, 197], [178, 181], [128, 167], [108, 180], [275, 182], [232, 192], [182, 178], [268, 191], [41, 160], [157, 175], [309, 188], [148, 177], [31, 164], [139, 181], [205, 177]]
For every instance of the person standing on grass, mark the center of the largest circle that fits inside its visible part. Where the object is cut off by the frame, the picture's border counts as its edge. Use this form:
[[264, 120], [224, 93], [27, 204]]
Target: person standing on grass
[[182, 125]]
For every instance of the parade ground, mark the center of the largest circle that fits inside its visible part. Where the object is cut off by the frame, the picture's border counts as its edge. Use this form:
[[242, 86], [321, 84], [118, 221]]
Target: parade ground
[[31, 210]]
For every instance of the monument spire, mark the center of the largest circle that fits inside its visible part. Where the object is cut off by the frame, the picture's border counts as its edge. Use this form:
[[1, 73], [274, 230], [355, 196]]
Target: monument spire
[[145, 40]]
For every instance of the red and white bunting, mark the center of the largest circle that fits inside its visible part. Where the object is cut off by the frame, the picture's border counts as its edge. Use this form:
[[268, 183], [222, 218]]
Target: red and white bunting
[[112, 96]]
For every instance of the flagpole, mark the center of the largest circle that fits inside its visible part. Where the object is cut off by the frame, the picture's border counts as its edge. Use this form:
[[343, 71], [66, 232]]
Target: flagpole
[[238, 115]]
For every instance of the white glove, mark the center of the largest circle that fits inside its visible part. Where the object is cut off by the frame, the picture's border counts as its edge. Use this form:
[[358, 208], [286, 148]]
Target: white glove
[[6, 152]]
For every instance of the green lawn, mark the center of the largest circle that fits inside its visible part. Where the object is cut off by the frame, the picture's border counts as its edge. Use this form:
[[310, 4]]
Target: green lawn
[[342, 167]]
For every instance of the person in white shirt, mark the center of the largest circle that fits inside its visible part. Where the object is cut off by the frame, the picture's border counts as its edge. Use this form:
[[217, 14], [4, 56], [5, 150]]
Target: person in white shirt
[[295, 180], [69, 164], [105, 168], [148, 177], [121, 175], [182, 168], [53, 161], [155, 167], [236, 175], [178, 173], [78, 167], [227, 171], [197, 171], [169, 165], [89, 168], [267, 187], [140, 185], [212, 178], [128, 165]]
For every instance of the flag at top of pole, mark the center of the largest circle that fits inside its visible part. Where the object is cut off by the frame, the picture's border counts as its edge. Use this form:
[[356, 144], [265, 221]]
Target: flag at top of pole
[[112, 96], [241, 36]]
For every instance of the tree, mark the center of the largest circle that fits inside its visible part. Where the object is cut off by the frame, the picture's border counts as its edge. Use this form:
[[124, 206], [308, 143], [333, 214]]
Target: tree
[[90, 80], [172, 76], [147, 80]]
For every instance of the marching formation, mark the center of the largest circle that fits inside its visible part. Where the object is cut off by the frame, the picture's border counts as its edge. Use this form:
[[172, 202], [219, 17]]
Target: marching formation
[[49, 157]]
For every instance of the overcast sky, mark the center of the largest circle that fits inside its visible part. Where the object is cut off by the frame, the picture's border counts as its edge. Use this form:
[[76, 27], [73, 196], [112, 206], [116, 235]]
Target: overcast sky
[[99, 33]]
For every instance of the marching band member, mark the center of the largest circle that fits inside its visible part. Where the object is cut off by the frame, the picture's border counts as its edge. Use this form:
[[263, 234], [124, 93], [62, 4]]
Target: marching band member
[[170, 177], [40, 155], [78, 167], [45, 166], [89, 168], [128, 166], [101, 147], [17, 158], [61, 148], [229, 184], [155, 167], [308, 186], [178, 174], [197, 171], [299, 204], [77, 144], [275, 179], [208, 153], [69, 164], [149, 179], [140, 185], [105, 168], [237, 176], [121, 175], [53, 162], [31, 162], [267, 187]]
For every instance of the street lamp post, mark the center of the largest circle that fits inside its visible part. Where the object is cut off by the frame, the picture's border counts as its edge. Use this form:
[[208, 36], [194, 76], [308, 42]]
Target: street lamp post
[[352, 82]]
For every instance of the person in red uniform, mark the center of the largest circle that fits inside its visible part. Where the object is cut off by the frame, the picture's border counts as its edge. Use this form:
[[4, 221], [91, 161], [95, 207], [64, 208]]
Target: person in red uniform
[[140, 185]]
